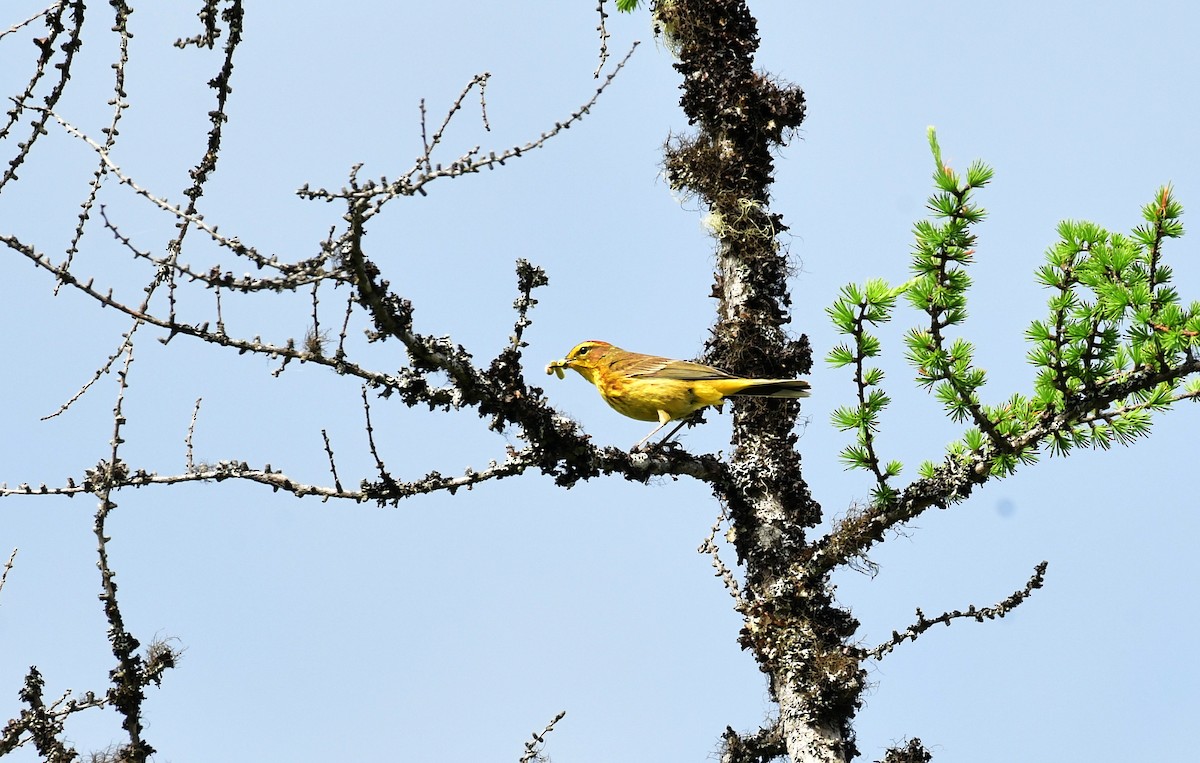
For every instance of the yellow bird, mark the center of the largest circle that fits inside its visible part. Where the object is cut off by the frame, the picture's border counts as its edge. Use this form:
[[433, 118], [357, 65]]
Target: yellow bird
[[653, 388]]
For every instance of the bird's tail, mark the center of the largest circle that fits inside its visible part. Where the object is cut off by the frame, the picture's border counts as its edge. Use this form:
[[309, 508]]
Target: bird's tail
[[775, 388]]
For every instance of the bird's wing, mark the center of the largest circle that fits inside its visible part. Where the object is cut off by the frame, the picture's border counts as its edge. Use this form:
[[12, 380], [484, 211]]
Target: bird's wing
[[637, 364], [654, 367]]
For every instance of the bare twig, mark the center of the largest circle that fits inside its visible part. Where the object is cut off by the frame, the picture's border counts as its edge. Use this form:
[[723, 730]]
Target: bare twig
[[22, 24], [979, 615], [371, 437], [232, 15], [413, 181], [105, 367], [119, 104], [479, 80], [533, 748], [709, 546], [49, 47], [220, 319], [7, 566], [428, 150], [341, 348], [604, 37], [192, 219], [314, 338], [483, 105], [199, 331], [292, 275], [191, 459], [337, 484]]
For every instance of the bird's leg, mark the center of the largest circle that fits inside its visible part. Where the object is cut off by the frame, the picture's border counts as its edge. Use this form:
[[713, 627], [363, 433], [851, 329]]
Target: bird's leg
[[664, 418], [671, 434]]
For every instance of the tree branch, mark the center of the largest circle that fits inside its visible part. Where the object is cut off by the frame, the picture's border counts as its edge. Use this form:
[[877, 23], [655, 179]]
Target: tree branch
[[979, 615], [955, 479], [533, 748]]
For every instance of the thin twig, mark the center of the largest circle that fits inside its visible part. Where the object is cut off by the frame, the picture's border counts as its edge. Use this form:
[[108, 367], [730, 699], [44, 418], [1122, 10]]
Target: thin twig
[[337, 483], [315, 342], [105, 367], [191, 461], [292, 276], [483, 105], [371, 436], [7, 566], [181, 214], [533, 747], [341, 348], [709, 546], [21, 24], [48, 47], [119, 104], [413, 181], [979, 615], [604, 37]]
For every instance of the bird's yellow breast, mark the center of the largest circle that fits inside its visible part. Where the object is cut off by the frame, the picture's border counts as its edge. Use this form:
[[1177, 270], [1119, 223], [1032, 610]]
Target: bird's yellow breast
[[643, 399]]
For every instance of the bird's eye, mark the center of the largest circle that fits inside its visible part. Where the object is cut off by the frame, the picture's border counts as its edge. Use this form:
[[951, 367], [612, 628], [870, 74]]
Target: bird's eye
[[582, 351]]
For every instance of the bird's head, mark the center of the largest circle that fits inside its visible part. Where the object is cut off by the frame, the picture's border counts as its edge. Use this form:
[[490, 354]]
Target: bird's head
[[583, 357]]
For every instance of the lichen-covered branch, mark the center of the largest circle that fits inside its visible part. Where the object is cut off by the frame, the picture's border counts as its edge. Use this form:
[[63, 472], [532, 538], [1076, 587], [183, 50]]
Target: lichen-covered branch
[[760, 747], [43, 725], [792, 626], [133, 673]]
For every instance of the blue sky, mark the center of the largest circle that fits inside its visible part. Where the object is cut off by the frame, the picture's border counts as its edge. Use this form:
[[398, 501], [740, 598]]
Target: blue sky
[[451, 627]]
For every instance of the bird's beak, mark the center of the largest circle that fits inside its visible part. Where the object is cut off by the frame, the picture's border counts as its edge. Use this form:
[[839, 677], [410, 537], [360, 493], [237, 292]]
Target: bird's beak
[[557, 366]]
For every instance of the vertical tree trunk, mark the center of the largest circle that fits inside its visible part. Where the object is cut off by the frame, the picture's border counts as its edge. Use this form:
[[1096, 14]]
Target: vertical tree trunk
[[791, 624]]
